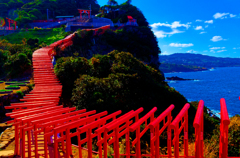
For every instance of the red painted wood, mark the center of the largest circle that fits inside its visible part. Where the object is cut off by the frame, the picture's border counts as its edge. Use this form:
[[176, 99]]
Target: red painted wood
[[40, 114]]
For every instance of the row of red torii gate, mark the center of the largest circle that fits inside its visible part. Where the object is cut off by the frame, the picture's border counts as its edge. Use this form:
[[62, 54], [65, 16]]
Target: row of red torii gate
[[44, 129]]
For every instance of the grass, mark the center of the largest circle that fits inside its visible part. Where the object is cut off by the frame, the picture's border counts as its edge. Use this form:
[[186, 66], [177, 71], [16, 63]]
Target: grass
[[25, 81], [47, 36], [19, 84], [22, 88], [5, 90], [9, 83], [12, 87], [16, 83]]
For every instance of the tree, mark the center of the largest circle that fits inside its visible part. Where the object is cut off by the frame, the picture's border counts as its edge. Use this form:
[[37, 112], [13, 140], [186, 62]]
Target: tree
[[3, 9], [129, 2], [112, 3]]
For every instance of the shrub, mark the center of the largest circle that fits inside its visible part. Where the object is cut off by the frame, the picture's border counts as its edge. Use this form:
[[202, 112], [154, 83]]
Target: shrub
[[20, 94], [30, 86], [17, 65], [120, 81], [68, 70], [234, 136]]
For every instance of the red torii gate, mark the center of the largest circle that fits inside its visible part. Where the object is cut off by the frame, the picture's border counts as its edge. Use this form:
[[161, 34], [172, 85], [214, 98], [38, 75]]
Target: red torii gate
[[39, 114], [84, 11], [13, 22]]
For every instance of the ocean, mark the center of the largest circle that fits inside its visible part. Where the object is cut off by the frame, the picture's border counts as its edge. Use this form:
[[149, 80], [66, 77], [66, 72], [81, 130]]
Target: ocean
[[210, 86]]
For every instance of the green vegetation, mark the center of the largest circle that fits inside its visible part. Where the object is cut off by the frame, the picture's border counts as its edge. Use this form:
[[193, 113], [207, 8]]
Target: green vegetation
[[16, 56], [15, 83], [120, 12], [30, 86], [12, 87], [16, 59], [12, 82], [5, 90], [25, 81], [20, 94], [36, 37], [19, 84]]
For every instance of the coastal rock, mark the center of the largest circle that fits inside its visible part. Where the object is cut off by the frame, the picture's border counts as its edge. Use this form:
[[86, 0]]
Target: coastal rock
[[175, 78]]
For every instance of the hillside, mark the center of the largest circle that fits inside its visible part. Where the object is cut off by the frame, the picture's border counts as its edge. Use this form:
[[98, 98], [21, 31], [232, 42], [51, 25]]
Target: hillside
[[199, 60], [24, 11], [168, 67], [17, 48]]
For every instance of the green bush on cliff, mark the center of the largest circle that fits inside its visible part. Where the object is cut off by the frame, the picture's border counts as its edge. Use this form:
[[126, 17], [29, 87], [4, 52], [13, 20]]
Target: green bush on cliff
[[68, 70], [17, 65], [15, 59], [116, 81]]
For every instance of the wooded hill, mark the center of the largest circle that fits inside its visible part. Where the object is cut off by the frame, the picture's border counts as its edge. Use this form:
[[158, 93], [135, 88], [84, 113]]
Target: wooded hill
[[199, 60]]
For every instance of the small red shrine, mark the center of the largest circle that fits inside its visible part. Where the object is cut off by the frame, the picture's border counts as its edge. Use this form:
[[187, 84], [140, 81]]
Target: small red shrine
[[81, 11], [131, 20]]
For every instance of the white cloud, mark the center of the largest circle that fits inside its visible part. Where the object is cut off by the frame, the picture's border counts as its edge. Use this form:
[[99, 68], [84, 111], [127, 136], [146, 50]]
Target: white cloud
[[177, 24], [236, 48], [206, 26], [232, 15], [165, 53], [217, 38], [199, 28], [218, 48], [174, 25], [209, 21], [162, 34], [203, 32], [220, 15], [191, 51], [198, 20], [180, 45], [221, 51]]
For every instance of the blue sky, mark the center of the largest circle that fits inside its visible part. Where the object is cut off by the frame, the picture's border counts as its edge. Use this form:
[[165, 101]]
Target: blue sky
[[209, 27]]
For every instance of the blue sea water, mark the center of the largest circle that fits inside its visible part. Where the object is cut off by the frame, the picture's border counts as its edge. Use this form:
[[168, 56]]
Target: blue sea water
[[210, 86]]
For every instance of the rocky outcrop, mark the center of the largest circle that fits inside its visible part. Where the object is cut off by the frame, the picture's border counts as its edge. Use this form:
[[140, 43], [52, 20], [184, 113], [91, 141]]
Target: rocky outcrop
[[175, 78], [6, 138]]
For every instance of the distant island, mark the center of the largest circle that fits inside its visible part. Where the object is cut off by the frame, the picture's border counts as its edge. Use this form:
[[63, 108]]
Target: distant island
[[185, 62], [167, 68]]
